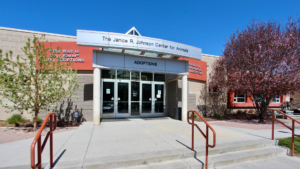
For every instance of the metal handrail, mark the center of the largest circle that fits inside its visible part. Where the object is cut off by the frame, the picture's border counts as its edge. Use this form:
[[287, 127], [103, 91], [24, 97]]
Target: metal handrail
[[291, 128], [205, 136], [38, 138]]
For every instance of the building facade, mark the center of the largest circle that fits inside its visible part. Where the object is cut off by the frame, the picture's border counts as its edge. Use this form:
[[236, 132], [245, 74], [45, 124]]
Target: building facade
[[129, 75]]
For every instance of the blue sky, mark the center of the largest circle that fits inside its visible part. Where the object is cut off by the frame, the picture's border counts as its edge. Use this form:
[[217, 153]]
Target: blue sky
[[203, 24]]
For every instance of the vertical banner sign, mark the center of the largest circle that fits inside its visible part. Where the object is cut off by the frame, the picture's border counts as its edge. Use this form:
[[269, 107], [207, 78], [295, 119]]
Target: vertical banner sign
[[197, 69]]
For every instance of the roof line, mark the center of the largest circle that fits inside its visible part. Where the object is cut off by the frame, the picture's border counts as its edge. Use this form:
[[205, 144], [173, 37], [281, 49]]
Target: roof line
[[209, 55], [37, 32]]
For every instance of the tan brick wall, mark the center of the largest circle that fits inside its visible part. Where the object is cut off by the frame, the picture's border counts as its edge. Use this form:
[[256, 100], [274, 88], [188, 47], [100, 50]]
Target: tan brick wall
[[14, 40], [216, 103], [296, 99]]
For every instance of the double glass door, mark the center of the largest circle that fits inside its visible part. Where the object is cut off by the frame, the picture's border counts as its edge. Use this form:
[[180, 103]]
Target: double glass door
[[152, 97], [125, 98]]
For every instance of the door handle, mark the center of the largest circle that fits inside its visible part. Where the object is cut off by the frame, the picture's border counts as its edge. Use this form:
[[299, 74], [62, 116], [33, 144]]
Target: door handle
[[112, 98], [149, 98], [119, 98]]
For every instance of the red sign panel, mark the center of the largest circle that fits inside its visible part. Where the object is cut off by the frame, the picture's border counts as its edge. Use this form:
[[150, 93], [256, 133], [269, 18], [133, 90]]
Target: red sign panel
[[197, 69], [82, 56]]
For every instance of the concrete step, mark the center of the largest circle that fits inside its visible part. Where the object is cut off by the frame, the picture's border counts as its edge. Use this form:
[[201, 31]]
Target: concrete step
[[234, 147], [189, 163], [273, 163], [150, 158], [226, 161], [234, 158]]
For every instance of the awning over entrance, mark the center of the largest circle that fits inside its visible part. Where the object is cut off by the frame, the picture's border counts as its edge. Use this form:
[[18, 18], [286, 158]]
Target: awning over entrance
[[139, 45], [108, 60]]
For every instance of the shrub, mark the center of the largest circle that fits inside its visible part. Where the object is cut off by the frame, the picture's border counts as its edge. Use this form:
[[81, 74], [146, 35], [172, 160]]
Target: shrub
[[15, 119], [251, 112], [195, 116], [241, 112], [3, 123], [39, 120], [219, 117]]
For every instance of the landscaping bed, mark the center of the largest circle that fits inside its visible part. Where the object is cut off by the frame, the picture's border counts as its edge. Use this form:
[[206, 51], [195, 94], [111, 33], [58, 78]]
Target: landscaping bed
[[238, 116], [28, 123], [241, 116], [207, 119]]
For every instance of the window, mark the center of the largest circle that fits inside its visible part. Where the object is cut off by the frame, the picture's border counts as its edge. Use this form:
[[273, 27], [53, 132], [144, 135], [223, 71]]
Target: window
[[276, 99], [239, 98], [134, 32], [213, 90], [135, 75], [123, 74], [258, 99], [108, 74], [146, 76], [159, 77]]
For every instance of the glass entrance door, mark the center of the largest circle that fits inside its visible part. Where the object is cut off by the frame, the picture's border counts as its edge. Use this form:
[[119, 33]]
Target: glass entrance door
[[108, 98], [135, 99], [146, 90], [159, 98], [130, 93], [123, 98]]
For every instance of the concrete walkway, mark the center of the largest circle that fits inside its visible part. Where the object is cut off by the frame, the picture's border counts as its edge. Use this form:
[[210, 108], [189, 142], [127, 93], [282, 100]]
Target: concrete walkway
[[121, 138], [266, 133]]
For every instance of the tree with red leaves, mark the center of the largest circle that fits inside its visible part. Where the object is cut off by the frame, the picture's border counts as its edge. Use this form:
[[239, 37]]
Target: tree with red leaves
[[261, 61]]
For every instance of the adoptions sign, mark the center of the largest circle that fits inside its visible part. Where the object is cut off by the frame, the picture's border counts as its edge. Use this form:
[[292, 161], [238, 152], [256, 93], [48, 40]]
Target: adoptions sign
[[81, 56], [117, 40]]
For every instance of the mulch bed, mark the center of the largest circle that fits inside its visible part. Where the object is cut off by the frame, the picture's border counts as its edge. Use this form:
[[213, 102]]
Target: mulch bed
[[241, 116], [28, 123], [206, 119]]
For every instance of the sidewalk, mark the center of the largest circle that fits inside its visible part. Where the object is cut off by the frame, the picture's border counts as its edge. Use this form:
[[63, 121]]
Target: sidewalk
[[120, 138]]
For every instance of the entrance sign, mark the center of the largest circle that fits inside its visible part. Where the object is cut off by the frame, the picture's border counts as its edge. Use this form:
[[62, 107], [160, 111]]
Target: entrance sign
[[81, 56], [117, 40], [129, 62]]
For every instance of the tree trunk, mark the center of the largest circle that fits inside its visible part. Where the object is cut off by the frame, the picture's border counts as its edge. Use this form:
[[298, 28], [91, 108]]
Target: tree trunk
[[262, 115], [35, 120]]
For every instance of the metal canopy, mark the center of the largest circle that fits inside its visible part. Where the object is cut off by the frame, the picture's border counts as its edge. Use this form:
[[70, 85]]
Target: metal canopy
[[137, 45]]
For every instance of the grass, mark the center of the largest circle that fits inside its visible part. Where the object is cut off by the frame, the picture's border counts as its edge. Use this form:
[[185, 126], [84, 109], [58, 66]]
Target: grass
[[15, 119], [195, 116], [287, 142]]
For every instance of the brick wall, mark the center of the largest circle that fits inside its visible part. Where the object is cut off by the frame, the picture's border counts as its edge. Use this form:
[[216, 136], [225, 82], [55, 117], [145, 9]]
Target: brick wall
[[14, 40], [172, 100], [83, 104]]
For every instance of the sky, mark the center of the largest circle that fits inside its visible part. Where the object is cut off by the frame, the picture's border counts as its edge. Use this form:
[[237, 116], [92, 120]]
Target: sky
[[206, 24]]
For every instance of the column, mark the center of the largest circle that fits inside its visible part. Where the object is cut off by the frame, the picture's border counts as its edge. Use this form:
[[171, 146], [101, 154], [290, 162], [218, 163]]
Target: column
[[96, 95], [184, 98]]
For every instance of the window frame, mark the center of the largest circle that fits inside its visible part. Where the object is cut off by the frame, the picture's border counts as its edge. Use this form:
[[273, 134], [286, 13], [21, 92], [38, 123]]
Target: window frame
[[276, 98], [212, 90], [235, 99]]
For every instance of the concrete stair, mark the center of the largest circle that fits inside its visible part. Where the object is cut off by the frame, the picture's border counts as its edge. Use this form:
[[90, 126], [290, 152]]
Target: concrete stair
[[223, 155]]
